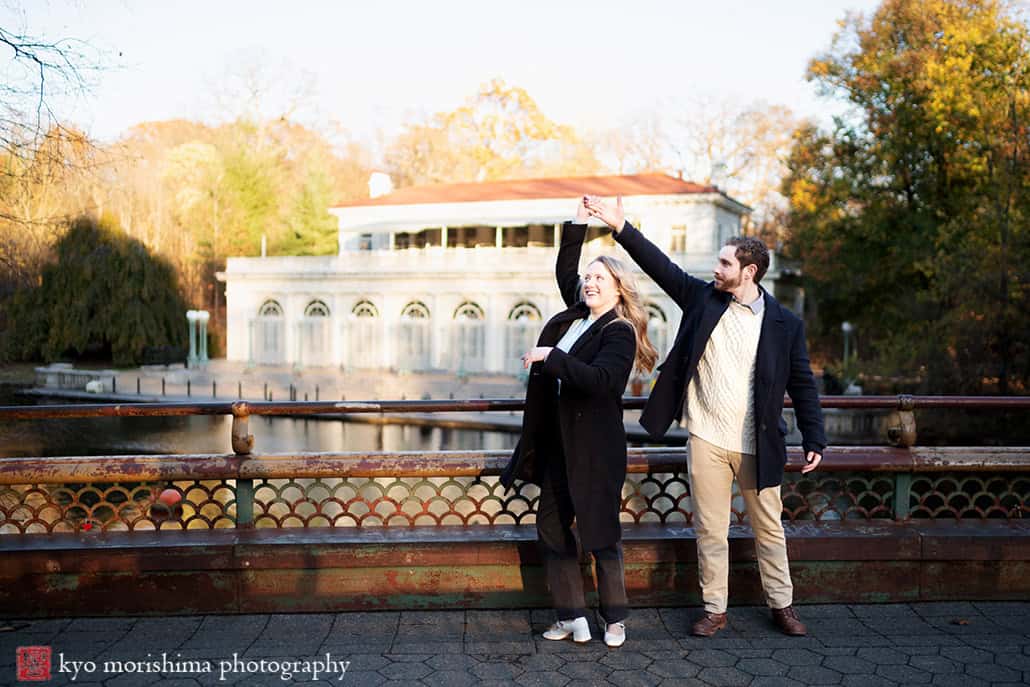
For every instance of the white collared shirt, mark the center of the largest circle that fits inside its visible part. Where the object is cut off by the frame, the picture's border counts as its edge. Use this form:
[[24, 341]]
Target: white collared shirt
[[575, 331]]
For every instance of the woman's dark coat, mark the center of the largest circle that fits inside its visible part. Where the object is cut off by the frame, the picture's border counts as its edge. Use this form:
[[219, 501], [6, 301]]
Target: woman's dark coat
[[587, 418]]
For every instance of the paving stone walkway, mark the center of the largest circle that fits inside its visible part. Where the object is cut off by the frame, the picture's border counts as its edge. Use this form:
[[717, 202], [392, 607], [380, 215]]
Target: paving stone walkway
[[962, 644]]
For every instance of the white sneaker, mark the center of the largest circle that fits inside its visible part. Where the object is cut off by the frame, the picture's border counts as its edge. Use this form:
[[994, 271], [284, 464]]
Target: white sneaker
[[615, 635], [578, 628]]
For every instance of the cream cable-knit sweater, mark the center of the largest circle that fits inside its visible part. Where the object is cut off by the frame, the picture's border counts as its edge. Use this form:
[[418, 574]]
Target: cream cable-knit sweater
[[720, 397]]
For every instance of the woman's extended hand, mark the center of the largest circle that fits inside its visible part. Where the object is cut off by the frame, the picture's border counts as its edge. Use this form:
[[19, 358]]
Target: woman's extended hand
[[612, 215], [582, 213], [535, 355]]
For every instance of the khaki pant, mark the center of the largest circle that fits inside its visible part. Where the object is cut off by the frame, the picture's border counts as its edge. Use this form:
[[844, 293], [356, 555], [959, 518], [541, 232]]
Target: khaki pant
[[711, 487]]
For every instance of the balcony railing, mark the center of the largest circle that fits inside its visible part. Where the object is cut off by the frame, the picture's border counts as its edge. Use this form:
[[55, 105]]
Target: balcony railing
[[475, 260]]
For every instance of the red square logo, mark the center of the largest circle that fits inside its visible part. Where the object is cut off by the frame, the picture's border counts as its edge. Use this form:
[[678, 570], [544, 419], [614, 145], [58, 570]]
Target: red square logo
[[33, 663]]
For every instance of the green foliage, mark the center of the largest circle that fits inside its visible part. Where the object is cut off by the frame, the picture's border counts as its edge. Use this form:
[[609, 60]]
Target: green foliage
[[910, 214], [105, 289], [311, 230], [250, 190]]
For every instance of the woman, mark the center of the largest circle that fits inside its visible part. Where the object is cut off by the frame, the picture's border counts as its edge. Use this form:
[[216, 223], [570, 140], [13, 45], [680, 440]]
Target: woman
[[573, 442]]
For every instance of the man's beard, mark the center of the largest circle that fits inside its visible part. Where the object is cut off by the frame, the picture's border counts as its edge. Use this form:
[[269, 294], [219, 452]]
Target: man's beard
[[728, 284]]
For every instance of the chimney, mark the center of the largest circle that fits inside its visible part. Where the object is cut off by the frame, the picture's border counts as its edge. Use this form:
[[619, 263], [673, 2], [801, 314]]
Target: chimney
[[379, 184]]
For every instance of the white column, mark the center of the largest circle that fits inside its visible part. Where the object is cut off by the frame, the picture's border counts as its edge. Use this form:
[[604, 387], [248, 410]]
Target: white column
[[494, 337], [493, 441], [334, 329], [393, 438], [250, 342], [288, 333], [387, 317], [434, 338]]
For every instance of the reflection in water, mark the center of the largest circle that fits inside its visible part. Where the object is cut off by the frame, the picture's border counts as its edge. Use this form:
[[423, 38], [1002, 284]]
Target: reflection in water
[[211, 503], [210, 434]]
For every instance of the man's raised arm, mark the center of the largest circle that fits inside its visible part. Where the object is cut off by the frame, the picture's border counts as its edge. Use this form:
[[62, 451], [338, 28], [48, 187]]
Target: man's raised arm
[[669, 276]]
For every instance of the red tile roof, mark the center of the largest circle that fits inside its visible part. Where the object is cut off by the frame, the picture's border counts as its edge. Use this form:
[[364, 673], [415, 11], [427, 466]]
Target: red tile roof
[[527, 189]]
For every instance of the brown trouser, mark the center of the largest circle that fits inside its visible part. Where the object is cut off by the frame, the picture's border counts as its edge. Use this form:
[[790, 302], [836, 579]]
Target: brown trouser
[[712, 470]]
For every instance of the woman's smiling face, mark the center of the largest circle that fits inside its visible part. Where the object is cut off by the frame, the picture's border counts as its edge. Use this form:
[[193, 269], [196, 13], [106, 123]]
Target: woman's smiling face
[[600, 291]]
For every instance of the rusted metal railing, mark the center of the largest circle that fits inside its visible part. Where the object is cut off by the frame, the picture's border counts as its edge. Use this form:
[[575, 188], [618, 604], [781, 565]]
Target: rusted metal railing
[[244, 489], [901, 424]]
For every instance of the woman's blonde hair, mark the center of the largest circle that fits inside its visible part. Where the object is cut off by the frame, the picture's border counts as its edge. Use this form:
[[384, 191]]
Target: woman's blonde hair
[[630, 308]]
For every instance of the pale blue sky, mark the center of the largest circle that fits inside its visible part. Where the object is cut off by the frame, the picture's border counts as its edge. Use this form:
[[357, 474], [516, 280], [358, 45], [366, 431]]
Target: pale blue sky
[[369, 64]]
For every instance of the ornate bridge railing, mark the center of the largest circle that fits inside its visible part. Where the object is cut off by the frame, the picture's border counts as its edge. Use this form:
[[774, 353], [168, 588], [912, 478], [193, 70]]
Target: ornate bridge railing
[[460, 488], [258, 533]]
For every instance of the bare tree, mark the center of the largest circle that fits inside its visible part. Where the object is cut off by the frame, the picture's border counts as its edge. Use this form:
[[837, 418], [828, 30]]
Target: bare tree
[[261, 94], [740, 148], [38, 70], [640, 144], [40, 156]]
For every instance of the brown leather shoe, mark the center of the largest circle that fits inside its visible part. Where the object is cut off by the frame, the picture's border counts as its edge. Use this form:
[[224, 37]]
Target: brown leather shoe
[[788, 621], [708, 624]]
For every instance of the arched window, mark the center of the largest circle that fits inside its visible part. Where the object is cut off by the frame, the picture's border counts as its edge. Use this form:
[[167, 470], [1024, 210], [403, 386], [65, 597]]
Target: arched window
[[521, 331], [316, 309], [414, 338], [268, 335], [416, 310], [365, 309], [655, 313], [468, 338], [270, 309], [657, 327], [364, 337], [314, 346], [525, 311], [468, 311]]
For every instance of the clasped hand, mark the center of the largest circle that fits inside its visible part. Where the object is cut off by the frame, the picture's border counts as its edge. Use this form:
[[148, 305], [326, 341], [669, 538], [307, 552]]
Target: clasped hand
[[612, 215], [534, 355]]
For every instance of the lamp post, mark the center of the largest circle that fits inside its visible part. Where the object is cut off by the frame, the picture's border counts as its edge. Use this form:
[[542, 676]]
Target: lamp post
[[197, 320], [202, 318], [846, 371], [191, 318]]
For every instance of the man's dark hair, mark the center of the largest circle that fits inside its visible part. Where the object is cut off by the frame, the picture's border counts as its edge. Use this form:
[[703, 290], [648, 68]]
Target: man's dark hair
[[751, 251]]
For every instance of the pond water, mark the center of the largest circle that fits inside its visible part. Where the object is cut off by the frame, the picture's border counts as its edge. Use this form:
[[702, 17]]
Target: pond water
[[211, 434]]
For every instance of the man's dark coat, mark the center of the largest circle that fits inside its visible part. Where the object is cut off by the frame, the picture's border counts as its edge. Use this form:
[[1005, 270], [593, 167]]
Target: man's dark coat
[[586, 419], [781, 365]]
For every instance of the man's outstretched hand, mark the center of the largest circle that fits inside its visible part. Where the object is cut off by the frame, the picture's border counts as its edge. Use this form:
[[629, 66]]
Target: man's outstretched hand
[[612, 215], [812, 460]]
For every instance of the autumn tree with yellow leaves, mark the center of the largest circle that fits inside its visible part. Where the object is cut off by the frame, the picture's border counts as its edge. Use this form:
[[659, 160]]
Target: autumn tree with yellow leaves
[[498, 133], [911, 214]]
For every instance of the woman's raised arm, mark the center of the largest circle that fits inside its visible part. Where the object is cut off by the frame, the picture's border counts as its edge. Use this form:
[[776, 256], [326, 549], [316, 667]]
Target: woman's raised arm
[[566, 267]]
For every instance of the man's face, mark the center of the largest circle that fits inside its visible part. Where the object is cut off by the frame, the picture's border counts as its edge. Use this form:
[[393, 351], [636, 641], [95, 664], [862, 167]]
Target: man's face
[[727, 271]]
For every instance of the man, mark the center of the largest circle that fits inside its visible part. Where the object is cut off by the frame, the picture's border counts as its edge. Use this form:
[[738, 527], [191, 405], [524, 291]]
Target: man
[[736, 352]]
